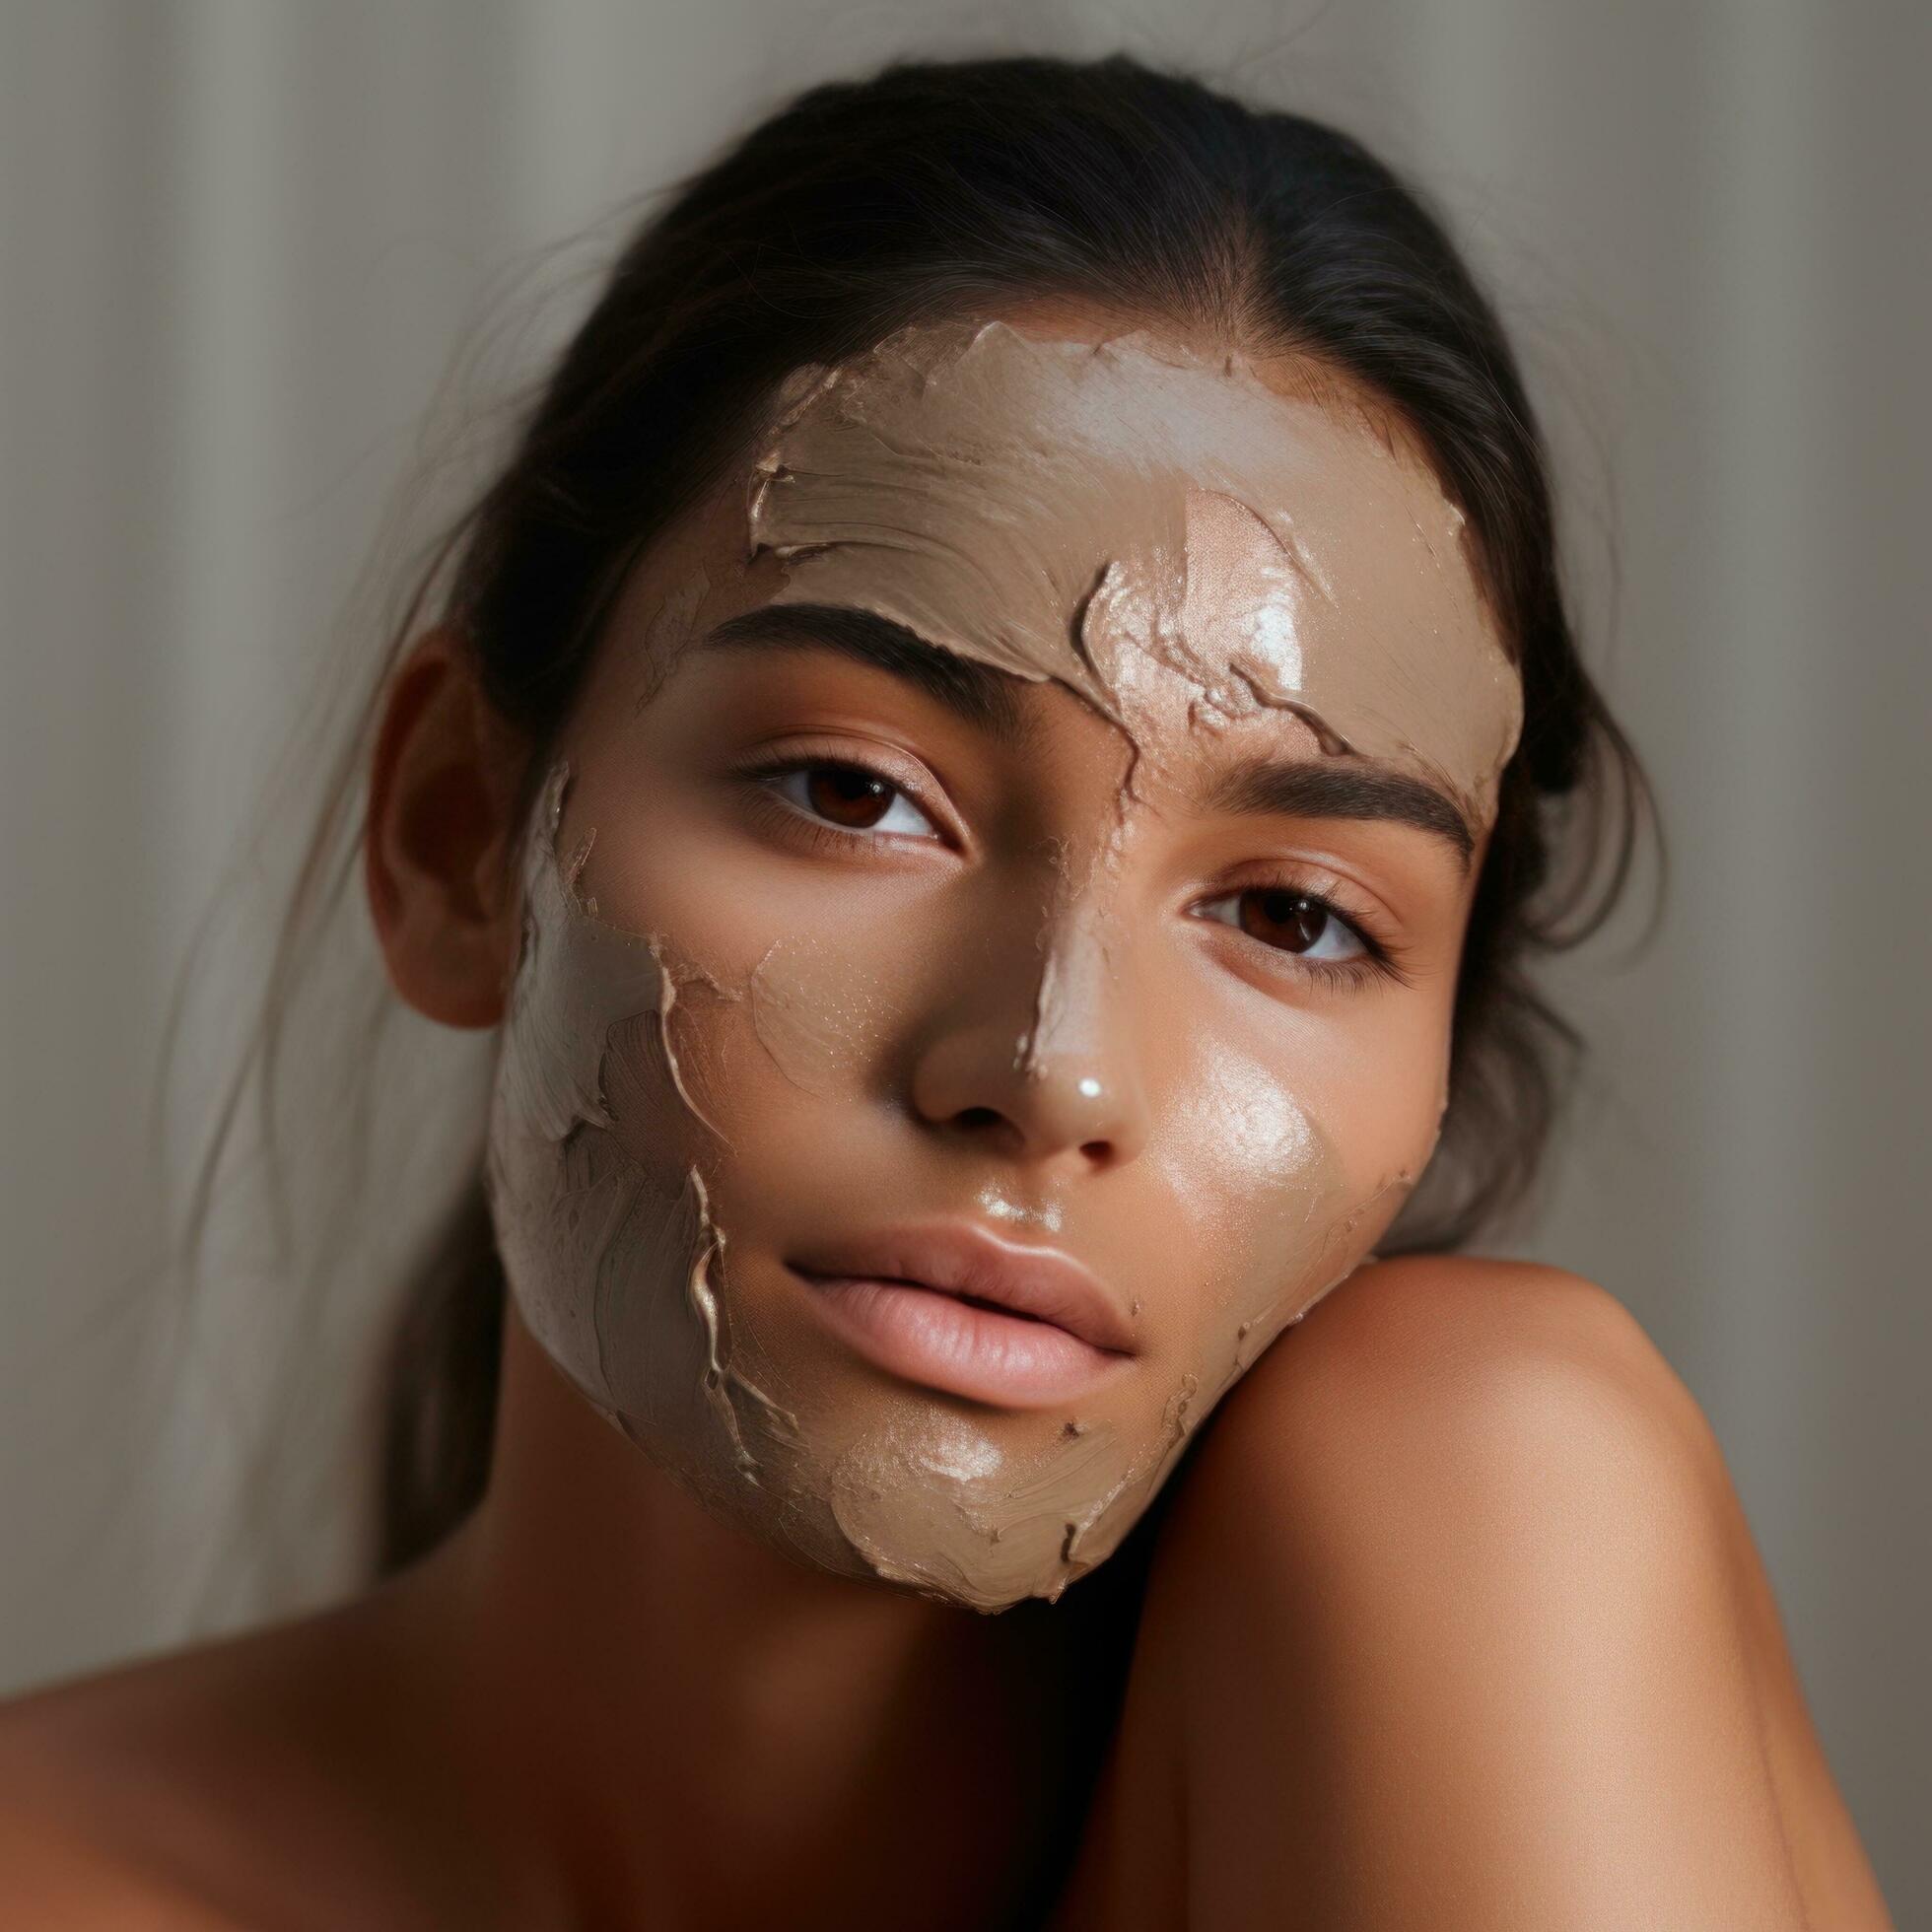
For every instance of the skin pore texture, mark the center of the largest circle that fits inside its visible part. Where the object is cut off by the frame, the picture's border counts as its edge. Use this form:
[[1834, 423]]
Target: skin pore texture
[[1211, 573]]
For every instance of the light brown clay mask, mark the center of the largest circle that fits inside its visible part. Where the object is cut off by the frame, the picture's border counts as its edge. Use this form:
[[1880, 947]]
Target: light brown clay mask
[[721, 1053]]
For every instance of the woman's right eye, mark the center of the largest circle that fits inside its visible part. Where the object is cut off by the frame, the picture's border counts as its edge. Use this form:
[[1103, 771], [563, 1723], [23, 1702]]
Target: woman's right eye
[[853, 798]]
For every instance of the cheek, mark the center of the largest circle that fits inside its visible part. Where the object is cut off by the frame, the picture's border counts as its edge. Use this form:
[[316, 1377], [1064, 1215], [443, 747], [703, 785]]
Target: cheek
[[1382, 1088], [1288, 1142], [793, 1008]]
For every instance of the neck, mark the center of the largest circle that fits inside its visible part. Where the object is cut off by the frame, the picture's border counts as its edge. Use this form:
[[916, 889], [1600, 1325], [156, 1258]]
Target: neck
[[669, 1723]]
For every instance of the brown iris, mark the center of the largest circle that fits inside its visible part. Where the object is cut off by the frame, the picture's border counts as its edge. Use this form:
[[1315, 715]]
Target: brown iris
[[847, 796], [1288, 920]]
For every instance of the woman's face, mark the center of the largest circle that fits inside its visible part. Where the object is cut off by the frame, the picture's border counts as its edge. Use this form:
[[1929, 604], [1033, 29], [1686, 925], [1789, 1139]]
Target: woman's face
[[991, 939]]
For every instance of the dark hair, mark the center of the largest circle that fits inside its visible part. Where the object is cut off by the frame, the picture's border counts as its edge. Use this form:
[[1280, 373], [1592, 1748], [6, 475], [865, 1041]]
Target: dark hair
[[935, 189]]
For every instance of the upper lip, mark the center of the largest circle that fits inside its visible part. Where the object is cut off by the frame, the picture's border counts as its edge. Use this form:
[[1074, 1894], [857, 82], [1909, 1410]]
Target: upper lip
[[959, 1258]]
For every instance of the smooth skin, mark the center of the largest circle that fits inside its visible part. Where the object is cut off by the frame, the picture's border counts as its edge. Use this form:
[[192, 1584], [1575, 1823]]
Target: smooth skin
[[1453, 1620]]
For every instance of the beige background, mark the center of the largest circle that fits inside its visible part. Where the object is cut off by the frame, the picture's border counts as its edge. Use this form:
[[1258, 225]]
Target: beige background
[[240, 244]]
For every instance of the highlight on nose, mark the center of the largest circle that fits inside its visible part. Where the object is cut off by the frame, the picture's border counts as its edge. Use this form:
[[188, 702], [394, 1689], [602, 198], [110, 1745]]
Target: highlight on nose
[[1034, 1100]]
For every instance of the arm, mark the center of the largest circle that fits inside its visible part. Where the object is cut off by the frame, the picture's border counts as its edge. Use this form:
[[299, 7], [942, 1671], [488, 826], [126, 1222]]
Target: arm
[[1470, 1629]]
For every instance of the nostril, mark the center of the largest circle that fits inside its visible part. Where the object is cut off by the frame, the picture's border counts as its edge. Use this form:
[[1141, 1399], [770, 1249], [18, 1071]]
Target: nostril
[[978, 1116]]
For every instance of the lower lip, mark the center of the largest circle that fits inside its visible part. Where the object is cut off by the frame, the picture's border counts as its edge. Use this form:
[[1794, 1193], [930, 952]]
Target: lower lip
[[943, 1342]]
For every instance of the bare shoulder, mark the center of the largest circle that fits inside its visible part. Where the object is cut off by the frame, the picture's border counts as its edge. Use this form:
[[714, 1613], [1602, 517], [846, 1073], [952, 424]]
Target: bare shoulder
[[1504, 1356], [92, 1773], [188, 1792], [1448, 1420], [1455, 1619], [61, 1873]]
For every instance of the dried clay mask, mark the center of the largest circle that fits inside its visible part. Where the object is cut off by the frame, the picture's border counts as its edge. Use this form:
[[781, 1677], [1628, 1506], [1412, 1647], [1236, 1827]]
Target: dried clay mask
[[1197, 556]]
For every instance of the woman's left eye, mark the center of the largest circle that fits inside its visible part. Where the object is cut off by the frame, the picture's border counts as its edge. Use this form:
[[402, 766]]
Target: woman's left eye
[[1292, 922], [853, 798]]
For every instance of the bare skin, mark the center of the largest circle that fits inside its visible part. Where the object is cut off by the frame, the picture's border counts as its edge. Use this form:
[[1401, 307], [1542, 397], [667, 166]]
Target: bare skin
[[1452, 1617]]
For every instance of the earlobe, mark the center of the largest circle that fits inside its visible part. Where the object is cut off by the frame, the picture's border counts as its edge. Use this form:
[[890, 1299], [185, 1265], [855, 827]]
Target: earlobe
[[442, 783]]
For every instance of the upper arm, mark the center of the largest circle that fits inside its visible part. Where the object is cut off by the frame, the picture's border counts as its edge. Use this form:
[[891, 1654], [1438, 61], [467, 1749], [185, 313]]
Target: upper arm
[[1464, 1630]]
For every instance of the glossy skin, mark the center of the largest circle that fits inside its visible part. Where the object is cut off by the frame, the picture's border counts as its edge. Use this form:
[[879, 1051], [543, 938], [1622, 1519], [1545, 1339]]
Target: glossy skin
[[1453, 1618]]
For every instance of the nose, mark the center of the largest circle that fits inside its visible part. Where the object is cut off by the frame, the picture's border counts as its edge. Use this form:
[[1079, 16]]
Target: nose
[[1038, 1056]]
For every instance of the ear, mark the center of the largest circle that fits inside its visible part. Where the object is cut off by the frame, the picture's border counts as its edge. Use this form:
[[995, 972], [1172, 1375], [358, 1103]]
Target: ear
[[442, 788]]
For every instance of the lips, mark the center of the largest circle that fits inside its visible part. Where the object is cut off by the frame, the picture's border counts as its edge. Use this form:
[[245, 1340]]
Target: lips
[[952, 1306]]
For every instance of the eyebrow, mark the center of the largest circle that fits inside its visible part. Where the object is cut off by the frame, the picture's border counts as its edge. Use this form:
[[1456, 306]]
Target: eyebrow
[[1299, 788], [988, 699], [977, 693]]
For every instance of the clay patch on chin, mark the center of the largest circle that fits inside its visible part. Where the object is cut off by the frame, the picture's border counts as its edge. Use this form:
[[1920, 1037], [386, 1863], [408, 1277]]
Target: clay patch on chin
[[948, 1514]]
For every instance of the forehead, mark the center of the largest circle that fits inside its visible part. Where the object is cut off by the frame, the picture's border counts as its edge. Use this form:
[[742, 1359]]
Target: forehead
[[1158, 528]]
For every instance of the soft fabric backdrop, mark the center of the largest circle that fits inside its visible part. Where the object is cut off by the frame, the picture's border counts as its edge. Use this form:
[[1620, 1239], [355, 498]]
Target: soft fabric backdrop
[[240, 244]]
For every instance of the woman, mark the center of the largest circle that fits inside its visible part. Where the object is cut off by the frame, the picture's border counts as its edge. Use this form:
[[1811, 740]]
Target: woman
[[996, 756]]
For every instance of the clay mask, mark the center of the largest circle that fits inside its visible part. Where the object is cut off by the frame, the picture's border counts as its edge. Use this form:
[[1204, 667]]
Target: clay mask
[[1189, 552]]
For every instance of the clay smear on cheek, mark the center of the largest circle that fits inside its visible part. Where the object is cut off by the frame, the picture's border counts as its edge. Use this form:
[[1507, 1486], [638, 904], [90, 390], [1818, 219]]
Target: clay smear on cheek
[[822, 1016], [613, 1253]]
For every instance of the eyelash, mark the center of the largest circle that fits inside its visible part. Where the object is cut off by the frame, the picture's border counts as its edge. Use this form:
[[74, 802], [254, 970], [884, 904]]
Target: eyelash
[[836, 839], [1378, 960]]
